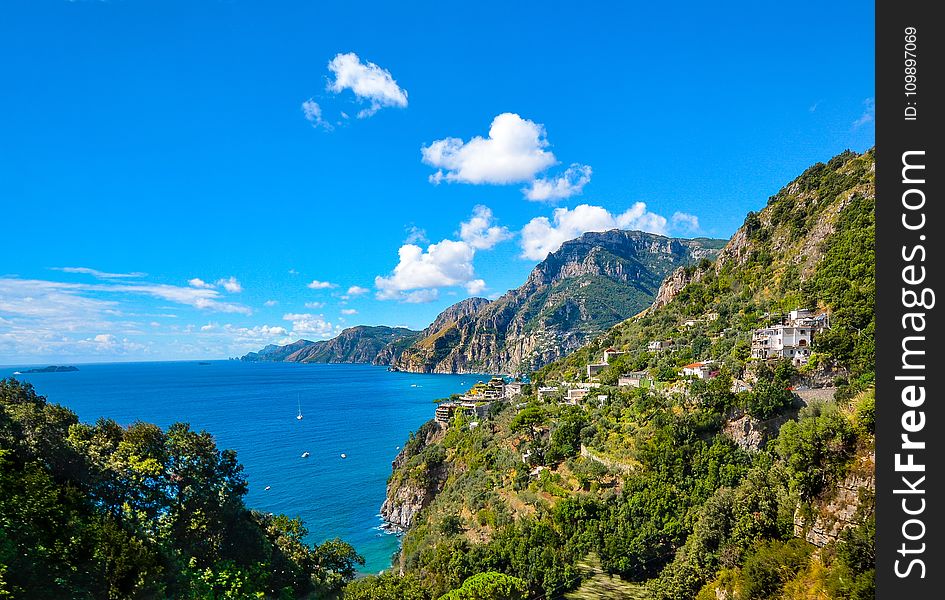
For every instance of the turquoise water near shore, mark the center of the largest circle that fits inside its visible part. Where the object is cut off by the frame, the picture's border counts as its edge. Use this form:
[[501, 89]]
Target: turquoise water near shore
[[362, 411]]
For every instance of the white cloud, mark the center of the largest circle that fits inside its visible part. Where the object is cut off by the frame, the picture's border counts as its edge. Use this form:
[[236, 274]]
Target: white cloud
[[541, 236], [306, 324], [684, 222], [368, 81], [446, 263], [420, 296], [357, 290], [569, 183], [230, 284], [199, 283], [321, 285], [313, 114], [99, 274], [869, 113], [416, 235], [271, 303], [476, 286], [315, 305], [479, 232], [107, 343], [39, 297], [349, 311], [513, 152]]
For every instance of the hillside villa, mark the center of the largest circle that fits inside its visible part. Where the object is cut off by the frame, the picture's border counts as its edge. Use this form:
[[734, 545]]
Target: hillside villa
[[594, 369], [791, 339], [659, 345], [701, 370], [631, 379]]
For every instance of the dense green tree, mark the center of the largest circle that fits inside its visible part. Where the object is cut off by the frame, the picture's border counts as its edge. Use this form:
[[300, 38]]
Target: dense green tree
[[488, 586]]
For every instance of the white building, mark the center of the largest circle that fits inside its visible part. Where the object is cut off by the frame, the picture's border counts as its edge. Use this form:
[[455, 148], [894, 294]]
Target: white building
[[791, 340], [701, 370], [631, 379], [513, 389], [610, 353], [594, 369], [575, 395], [658, 345]]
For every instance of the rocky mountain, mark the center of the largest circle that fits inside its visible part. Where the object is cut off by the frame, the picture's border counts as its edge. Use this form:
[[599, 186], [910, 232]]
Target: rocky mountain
[[362, 344], [586, 286]]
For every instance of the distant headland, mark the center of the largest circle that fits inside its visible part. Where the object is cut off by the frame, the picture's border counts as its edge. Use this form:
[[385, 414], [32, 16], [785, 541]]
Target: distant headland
[[51, 369]]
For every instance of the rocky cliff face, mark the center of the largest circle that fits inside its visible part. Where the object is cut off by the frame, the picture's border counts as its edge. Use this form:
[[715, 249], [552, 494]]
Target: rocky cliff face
[[750, 433], [841, 506], [414, 481], [588, 285], [362, 344]]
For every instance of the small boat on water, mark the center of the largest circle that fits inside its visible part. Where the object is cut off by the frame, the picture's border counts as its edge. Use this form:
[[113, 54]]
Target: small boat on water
[[343, 455], [268, 487], [305, 455], [300, 409]]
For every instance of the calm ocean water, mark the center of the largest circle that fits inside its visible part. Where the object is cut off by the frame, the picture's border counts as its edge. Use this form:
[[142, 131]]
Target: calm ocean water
[[361, 411]]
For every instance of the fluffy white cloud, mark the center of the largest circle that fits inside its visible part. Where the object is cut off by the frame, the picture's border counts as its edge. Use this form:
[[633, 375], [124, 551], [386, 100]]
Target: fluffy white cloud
[[271, 303], [369, 82], [476, 286], [684, 222], [569, 183], [313, 114], [419, 273], [230, 284], [357, 290], [541, 236], [321, 285], [479, 232], [314, 305], [199, 283], [306, 324], [513, 152], [99, 274], [443, 264], [348, 311]]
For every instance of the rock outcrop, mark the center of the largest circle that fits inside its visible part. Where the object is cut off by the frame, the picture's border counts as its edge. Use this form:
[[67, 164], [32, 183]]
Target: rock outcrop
[[841, 507], [750, 433], [413, 486]]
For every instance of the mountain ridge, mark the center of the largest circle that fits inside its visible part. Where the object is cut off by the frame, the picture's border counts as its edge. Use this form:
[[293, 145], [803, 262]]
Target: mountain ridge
[[374, 344]]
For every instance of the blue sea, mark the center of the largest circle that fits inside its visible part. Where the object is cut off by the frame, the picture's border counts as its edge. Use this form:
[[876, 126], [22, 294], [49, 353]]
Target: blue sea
[[362, 411]]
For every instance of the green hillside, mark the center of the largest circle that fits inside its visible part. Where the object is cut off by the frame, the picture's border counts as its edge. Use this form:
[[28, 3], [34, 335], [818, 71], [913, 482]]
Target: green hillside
[[686, 488]]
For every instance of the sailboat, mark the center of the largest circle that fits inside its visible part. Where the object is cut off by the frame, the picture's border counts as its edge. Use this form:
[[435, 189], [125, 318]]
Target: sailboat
[[300, 410]]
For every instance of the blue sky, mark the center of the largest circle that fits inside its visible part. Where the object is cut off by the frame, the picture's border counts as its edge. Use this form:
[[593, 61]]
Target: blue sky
[[196, 179]]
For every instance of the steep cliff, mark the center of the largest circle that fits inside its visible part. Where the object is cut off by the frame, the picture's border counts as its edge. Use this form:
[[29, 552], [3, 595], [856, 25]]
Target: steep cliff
[[588, 285], [417, 477]]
